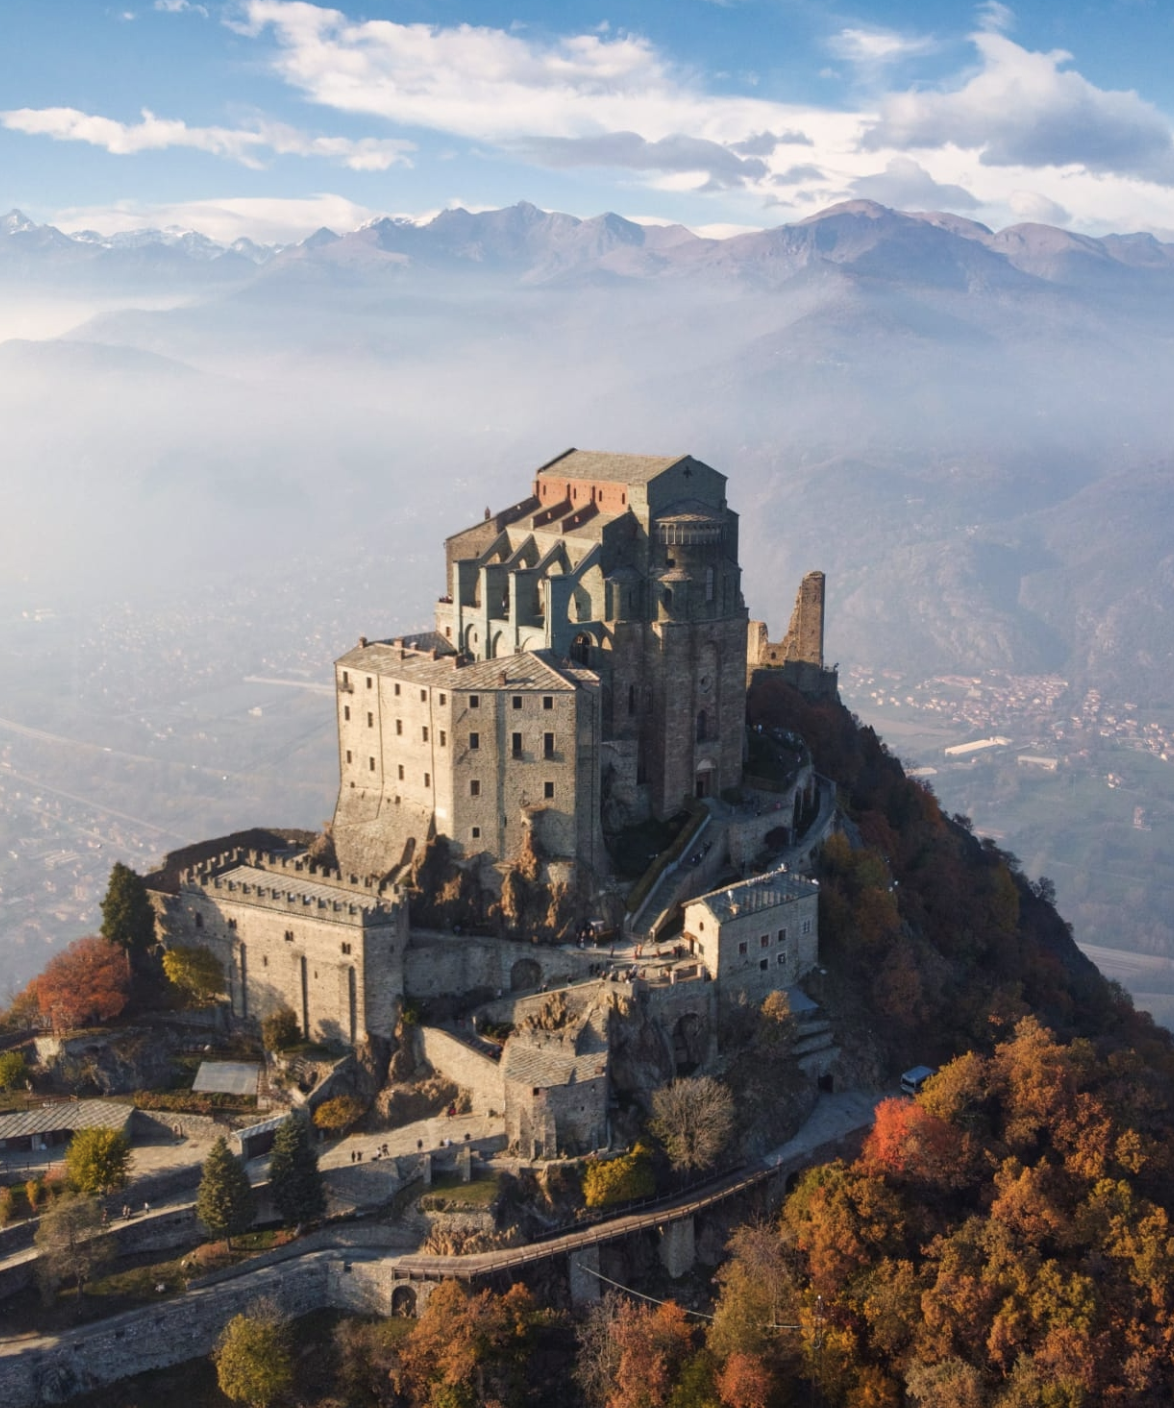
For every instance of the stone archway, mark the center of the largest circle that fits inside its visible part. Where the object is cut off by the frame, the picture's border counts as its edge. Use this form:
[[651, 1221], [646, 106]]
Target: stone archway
[[581, 648], [525, 975], [690, 1042], [403, 1302]]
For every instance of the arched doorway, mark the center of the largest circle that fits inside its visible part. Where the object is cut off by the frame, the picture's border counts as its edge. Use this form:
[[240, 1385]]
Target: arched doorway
[[403, 1302], [581, 649], [689, 1043], [525, 975]]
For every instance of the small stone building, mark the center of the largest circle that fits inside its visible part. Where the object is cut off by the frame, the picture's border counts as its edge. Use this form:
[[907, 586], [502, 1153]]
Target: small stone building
[[292, 934], [758, 936], [555, 1072]]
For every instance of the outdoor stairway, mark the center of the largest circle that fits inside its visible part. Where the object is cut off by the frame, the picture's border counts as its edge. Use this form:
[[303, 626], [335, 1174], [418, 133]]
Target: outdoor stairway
[[815, 1044]]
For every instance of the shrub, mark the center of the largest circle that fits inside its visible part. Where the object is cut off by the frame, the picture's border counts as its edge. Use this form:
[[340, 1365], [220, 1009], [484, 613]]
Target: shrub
[[13, 1070], [339, 1113], [280, 1029], [8, 1206], [610, 1181]]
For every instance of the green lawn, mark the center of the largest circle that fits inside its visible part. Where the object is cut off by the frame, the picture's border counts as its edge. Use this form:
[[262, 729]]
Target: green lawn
[[448, 1193]]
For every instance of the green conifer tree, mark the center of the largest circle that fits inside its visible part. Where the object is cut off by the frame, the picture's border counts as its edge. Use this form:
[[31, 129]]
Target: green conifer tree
[[293, 1174], [128, 918], [225, 1202]]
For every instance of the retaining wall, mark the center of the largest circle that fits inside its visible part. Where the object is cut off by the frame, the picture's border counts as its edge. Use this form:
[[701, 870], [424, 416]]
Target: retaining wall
[[479, 1075]]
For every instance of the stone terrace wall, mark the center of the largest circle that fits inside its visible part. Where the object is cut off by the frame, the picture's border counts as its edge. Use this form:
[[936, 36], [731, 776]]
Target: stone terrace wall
[[437, 964], [479, 1075]]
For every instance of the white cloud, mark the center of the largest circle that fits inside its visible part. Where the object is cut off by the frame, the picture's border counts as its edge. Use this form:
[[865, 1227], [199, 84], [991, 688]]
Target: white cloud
[[269, 221], [1031, 205], [690, 155], [495, 86], [906, 185], [994, 15], [246, 145], [178, 7], [1025, 109], [870, 48]]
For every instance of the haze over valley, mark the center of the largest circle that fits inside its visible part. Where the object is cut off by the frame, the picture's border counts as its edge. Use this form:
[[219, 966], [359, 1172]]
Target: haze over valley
[[223, 465]]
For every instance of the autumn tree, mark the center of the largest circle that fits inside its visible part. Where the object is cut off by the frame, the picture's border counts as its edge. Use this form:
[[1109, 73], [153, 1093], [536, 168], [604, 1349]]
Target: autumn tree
[[630, 1354], [128, 918], [693, 1118], [70, 1243], [620, 1180], [337, 1114], [195, 971], [224, 1202], [468, 1348], [14, 1071], [253, 1362], [98, 1161], [280, 1029], [745, 1381], [757, 1295], [294, 1179], [907, 1141], [86, 983]]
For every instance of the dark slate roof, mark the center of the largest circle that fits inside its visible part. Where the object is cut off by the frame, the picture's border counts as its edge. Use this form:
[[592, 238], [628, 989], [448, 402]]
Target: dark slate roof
[[71, 1115]]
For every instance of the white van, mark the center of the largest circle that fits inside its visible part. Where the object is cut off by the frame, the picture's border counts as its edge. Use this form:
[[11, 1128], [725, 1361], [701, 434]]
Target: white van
[[913, 1080]]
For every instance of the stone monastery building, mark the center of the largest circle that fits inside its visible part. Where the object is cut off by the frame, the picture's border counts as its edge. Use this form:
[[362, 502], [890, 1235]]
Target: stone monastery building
[[588, 670], [589, 653]]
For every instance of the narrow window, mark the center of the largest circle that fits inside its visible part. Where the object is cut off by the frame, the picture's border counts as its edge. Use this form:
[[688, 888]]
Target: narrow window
[[474, 787], [397, 689], [548, 701], [399, 727], [631, 699], [443, 739], [548, 745], [348, 755], [548, 790], [424, 733], [346, 712], [807, 926], [742, 947], [427, 779], [782, 936], [476, 833], [346, 948], [401, 772], [370, 720], [517, 745], [199, 921], [443, 700], [368, 681], [423, 696], [371, 764], [474, 741], [764, 941], [346, 677], [517, 701], [289, 936], [264, 960], [474, 701], [782, 958], [232, 924], [762, 964]]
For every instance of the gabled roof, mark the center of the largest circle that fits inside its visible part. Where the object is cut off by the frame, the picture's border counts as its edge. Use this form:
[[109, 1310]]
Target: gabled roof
[[602, 466]]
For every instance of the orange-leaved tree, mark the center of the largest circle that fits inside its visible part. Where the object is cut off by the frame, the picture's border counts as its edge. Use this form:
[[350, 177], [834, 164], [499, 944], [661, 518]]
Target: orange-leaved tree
[[87, 983]]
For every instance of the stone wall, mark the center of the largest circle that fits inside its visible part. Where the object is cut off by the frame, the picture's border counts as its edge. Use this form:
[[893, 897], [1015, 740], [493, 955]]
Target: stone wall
[[440, 965], [479, 1075]]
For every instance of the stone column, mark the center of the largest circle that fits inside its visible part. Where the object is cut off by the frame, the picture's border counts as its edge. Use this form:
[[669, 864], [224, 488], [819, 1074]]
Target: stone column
[[677, 1249], [585, 1288]]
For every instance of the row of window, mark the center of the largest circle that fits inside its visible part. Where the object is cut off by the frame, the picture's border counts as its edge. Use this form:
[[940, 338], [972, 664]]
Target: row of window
[[516, 743], [517, 701]]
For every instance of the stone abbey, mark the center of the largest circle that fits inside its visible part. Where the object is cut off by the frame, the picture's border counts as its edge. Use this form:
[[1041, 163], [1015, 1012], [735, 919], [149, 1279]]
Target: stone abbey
[[587, 673]]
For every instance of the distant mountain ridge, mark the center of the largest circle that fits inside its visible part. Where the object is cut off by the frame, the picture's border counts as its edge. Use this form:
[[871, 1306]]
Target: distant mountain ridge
[[539, 245]]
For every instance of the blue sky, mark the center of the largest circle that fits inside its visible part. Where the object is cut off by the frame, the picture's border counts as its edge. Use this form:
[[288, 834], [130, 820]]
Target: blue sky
[[271, 117]]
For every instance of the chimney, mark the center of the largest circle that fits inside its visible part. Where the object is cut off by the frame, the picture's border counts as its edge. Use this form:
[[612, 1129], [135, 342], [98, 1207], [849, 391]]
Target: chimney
[[362, 642]]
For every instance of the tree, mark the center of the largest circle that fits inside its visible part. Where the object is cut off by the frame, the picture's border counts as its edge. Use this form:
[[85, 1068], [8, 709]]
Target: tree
[[609, 1181], [70, 1243], [128, 917], [13, 1070], [745, 1381], [98, 1160], [86, 983], [468, 1349], [280, 1029], [293, 1174], [252, 1357], [757, 1294], [339, 1113], [196, 971], [225, 1203], [631, 1355], [693, 1119]]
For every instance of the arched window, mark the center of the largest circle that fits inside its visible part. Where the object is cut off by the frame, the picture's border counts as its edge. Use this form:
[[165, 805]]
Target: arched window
[[581, 649]]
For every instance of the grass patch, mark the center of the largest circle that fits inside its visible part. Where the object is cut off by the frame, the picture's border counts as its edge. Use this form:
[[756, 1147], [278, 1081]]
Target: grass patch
[[449, 1194]]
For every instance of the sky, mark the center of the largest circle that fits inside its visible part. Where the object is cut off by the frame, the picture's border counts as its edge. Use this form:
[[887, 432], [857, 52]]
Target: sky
[[270, 118]]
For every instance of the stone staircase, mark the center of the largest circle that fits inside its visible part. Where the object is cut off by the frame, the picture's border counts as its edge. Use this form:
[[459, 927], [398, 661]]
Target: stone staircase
[[815, 1042]]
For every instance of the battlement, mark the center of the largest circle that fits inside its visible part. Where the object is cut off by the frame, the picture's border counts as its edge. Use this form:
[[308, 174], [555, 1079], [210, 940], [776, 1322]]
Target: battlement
[[293, 883]]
